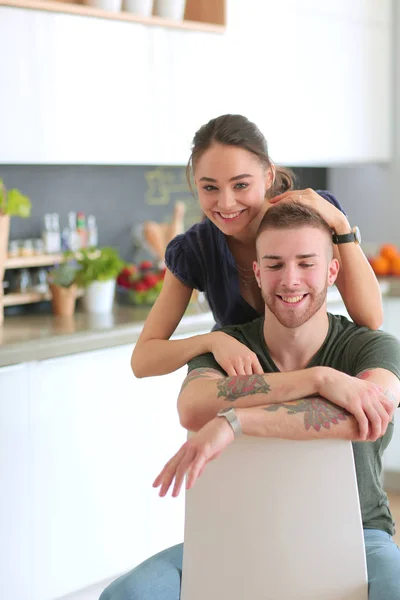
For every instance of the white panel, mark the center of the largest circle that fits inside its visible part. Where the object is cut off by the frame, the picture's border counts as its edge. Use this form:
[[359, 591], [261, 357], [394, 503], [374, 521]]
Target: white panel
[[89, 471], [314, 76], [15, 497]]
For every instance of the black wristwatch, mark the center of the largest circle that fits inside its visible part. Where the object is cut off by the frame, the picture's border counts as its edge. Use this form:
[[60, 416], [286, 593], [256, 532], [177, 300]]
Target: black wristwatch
[[353, 236]]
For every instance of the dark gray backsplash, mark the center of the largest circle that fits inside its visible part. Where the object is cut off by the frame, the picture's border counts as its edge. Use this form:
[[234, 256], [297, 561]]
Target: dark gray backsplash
[[120, 197]]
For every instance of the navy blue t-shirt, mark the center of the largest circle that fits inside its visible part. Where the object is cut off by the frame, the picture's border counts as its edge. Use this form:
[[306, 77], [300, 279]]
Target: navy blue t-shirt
[[201, 259]]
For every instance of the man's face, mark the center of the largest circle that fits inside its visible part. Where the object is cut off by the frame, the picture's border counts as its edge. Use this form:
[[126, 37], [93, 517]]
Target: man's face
[[294, 270]]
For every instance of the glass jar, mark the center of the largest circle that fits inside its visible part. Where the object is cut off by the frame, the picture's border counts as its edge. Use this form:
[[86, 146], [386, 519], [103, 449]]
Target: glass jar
[[38, 247], [39, 281], [27, 248], [23, 281], [13, 249]]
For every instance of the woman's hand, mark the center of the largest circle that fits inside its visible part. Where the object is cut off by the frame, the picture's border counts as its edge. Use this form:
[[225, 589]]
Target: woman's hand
[[204, 446], [233, 356], [332, 215], [365, 400]]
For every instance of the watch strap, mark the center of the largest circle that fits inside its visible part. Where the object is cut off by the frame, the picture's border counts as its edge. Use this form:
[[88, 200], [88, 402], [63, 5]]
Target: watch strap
[[345, 238], [230, 415]]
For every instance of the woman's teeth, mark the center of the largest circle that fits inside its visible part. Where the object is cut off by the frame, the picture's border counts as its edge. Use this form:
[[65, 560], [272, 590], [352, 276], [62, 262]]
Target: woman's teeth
[[292, 299], [230, 215]]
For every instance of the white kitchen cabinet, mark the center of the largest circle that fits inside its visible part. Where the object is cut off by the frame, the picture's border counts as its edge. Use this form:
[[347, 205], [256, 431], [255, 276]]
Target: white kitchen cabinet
[[74, 90], [15, 497], [99, 437], [312, 75]]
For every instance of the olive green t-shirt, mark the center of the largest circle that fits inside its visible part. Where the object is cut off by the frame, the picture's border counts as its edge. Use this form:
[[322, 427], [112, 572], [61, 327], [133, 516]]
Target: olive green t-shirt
[[350, 349]]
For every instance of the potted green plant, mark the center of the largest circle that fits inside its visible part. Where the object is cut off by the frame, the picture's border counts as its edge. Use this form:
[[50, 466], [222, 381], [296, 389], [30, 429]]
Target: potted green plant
[[12, 203], [98, 269], [63, 288]]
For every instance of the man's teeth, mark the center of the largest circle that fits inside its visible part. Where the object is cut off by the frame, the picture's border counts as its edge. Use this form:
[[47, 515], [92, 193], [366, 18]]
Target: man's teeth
[[292, 299], [230, 215]]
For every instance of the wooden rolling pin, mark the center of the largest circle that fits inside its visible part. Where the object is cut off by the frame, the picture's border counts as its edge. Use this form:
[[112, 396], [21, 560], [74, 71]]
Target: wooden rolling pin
[[158, 235]]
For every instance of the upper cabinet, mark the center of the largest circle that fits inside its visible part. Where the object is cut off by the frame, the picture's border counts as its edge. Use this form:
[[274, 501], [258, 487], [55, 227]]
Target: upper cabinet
[[313, 76]]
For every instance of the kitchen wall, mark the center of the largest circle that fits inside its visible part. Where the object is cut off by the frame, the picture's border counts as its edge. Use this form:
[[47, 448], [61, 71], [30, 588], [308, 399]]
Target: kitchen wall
[[369, 192], [121, 197], [365, 192]]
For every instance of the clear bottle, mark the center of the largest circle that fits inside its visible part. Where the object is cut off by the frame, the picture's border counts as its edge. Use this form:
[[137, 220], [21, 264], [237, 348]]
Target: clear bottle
[[74, 239], [46, 235], [81, 229], [56, 233], [92, 232]]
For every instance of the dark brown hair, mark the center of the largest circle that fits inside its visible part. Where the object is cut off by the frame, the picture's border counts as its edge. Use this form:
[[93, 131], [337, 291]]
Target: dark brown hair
[[292, 215], [236, 130]]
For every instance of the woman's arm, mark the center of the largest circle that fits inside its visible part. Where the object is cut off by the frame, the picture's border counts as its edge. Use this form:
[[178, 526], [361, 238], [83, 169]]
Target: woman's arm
[[154, 352], [357, 283]]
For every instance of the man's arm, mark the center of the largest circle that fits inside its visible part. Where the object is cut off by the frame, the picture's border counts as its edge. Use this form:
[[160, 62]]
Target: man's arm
[[304, 419], [205, 391], [317, 418]]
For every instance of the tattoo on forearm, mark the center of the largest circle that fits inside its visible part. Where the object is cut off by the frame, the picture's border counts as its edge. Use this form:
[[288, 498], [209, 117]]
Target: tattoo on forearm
[[317, 412], [201, 373], [239, 386]]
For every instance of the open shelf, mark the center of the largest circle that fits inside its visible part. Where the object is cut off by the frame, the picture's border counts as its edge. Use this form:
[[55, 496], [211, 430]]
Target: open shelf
[[28, 298], [41, 260], [200, 15]]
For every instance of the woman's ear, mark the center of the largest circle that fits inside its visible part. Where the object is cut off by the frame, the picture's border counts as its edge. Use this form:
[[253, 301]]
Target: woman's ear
[[271, 175], [256, 269]]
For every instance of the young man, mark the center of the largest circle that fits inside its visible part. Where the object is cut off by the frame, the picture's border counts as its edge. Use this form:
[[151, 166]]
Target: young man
[[351, 373]]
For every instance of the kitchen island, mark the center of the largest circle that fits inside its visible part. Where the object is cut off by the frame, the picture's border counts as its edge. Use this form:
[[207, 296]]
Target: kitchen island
[[37, 337]]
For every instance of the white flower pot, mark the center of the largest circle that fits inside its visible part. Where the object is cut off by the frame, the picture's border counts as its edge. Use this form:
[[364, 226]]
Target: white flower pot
[[139, 7], [109, 5], [170, 9], [99, 296]]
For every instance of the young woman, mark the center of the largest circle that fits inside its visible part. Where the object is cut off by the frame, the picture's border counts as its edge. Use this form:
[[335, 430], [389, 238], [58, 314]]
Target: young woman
[[236, 182]]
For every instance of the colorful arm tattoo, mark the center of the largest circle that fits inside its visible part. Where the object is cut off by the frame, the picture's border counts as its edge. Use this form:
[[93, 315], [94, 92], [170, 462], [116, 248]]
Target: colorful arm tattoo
[[201, 373], [239, 386], [317, 412]]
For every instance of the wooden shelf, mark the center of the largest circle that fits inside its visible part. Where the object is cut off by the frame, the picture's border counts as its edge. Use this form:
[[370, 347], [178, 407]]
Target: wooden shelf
[[28, 298], [31, 298], [42, 260], [200, 15]]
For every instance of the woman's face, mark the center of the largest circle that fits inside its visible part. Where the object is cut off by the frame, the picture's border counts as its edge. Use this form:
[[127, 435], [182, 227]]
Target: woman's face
[[231, 184]]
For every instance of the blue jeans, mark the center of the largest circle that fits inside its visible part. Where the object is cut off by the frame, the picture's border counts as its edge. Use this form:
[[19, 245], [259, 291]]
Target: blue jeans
[[159, 577]]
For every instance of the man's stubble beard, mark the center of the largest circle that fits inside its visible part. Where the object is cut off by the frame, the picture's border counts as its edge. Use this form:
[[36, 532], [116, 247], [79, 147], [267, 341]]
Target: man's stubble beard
[[292, 321]]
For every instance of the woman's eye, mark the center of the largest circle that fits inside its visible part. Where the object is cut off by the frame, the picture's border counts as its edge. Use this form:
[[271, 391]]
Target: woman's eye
[[241, 186], [209, 188]]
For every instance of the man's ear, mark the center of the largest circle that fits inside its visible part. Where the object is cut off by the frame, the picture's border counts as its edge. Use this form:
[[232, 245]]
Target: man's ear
[[333, 271], [256, 269]]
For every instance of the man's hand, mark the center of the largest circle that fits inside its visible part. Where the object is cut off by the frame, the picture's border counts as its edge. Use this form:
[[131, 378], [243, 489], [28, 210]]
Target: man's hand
[[190, 460], [365, 400]]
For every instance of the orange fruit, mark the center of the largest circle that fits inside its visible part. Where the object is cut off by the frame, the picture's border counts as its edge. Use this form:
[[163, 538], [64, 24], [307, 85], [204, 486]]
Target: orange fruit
[[395, 265], [389, 251], [380, 265]]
